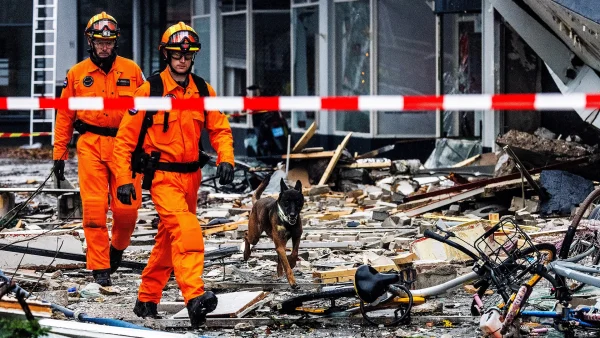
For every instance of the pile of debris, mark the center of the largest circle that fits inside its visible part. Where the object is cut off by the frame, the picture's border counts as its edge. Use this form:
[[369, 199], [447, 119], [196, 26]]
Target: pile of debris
[[358, 210]]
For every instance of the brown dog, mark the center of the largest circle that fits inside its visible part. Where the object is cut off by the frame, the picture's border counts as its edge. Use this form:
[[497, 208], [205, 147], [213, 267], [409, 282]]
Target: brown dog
[[280, 220]]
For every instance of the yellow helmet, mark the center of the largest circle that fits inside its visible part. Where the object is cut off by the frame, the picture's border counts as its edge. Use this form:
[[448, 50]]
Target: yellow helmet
[[102, 26], [180, 37]]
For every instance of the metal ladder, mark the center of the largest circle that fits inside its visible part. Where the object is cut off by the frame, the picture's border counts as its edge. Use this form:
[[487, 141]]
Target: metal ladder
[[43, 62]]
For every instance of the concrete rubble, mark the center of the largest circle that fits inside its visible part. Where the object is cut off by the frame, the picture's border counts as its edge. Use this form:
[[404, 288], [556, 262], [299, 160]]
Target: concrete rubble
[[366, 212]]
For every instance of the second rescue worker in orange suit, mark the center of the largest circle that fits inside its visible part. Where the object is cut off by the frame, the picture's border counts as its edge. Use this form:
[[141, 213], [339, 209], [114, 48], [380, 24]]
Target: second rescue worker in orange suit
[[107, 75], [179, 245]]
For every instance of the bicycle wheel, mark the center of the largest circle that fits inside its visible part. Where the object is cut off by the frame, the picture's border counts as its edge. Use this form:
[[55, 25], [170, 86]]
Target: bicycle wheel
[[584, 252], [397, 304]]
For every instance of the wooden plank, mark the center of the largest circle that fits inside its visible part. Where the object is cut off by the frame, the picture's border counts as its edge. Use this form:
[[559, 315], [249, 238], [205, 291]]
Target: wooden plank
[[334, 159], [223, 227], [376, 152], [371, 165], [467, 161], [10, 305], [347, 272], [444, 202], [447, 218], [254, 306], [308, 134], [404, 258], [301, 156]]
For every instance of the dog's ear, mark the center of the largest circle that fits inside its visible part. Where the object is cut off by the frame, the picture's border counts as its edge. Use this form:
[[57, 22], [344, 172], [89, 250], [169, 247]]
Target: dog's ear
[[298, 186], [284, 186]]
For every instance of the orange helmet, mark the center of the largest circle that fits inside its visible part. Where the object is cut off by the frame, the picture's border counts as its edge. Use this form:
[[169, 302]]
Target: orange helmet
[[102, 26], [180, 37]]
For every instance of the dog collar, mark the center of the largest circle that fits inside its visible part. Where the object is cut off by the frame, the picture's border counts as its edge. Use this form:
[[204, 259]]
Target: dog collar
[[282, 215]]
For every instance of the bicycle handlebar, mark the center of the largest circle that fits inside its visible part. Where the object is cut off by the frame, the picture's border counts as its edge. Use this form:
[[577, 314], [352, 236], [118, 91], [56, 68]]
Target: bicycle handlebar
[[430, 234]]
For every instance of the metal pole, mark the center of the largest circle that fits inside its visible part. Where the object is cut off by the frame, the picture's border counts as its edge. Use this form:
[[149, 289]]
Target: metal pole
[[287, 160]]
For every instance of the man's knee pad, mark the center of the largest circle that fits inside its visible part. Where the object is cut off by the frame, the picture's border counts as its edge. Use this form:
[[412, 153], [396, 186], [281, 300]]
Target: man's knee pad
[[94, 210], [191, 233]]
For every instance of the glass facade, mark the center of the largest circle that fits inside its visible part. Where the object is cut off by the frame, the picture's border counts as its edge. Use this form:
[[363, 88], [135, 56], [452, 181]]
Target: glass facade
[[461, 70], [374, 47], [352, 60], [121, 10], [405, 63], [305, 59], [234, 59], [15, 51]]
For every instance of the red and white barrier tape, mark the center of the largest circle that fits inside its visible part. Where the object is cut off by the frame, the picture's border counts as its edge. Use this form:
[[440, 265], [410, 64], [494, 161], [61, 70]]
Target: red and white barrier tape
[[11, 135], [310, 103]]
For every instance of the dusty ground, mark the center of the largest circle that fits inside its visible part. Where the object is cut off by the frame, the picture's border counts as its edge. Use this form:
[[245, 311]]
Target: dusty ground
[[19, 172]]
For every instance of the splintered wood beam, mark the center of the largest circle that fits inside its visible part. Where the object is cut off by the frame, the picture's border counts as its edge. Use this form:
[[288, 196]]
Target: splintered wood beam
[[301, 156], [367, 165], [334, 159], [308, 134], [223, 227], [467, 162]]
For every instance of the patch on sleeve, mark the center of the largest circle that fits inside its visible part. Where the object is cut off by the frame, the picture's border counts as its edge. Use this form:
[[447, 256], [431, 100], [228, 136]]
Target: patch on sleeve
[[133, 111], [65, 82]]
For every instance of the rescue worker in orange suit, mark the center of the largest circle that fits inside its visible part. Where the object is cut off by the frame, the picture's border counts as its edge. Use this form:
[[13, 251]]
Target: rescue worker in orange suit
[[103, 74], [174, 137]]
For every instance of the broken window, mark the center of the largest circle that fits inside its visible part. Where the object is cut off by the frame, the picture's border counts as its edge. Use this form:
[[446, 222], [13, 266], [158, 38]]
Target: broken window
[[405, 63], [461, 70], [306, 42], [234, 61], [272, 53], [352, 61]]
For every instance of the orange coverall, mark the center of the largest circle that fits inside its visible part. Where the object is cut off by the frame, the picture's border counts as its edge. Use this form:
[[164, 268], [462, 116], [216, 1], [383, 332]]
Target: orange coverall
[[96, 168], [178, 244]]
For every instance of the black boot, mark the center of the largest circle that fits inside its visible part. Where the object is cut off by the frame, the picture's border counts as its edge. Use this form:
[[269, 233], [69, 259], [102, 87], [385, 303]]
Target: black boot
[[102, 277], [198, 308], [116, 256], [145, 309]]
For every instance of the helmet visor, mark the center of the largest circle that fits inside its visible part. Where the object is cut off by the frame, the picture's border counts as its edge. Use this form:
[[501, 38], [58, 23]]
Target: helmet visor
[[100, 24], [184, 40], [104, 29]]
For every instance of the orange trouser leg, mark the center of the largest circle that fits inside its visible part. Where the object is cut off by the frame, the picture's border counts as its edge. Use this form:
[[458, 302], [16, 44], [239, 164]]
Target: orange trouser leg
[[175, 196], [93, 185], [158, 270], [124, 216]]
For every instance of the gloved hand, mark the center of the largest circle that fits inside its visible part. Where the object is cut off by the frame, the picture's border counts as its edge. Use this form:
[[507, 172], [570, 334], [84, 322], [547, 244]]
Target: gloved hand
[[225, 173], [124, 192], [59, 169]]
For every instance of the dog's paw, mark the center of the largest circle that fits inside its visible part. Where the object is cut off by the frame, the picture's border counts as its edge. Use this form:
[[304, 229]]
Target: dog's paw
[[295, 287]]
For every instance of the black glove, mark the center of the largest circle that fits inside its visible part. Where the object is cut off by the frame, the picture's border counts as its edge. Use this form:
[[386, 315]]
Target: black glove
[[225, 173], [124, 193], [59, 169]]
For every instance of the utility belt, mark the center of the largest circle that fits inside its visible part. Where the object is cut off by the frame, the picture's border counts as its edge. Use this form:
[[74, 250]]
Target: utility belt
[[83, 128], [148, 164]]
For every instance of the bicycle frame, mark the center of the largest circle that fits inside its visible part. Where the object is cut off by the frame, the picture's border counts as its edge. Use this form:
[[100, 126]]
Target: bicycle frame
[[576, 272], [567, 316]]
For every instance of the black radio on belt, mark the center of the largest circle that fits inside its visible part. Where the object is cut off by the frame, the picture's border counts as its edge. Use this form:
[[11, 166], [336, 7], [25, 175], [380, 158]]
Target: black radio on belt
[[80, 127], [149, 169]]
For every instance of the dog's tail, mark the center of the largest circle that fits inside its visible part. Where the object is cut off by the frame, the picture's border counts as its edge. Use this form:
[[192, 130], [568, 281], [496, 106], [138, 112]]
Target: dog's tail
[[262, 186]]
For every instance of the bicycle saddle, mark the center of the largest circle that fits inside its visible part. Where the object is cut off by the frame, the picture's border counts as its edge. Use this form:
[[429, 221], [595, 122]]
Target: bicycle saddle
[[370, 284]]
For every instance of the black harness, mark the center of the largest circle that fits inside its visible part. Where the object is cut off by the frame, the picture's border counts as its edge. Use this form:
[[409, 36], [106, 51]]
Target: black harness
[[149, 163]]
